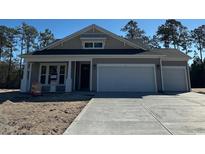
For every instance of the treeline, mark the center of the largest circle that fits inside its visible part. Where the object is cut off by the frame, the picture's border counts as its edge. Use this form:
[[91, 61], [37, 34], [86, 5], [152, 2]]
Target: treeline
[[13, 43], [172, 34]]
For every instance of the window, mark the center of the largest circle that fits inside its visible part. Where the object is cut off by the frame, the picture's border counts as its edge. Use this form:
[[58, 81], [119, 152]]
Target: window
[[43, 75], [52, 72], [88, 44], [93, 45], [62, 74], [98, 44]]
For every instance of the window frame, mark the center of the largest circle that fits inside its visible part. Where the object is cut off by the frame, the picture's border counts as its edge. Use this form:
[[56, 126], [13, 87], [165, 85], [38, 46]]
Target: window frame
[[43, 74], [47, 73], [93, 42]]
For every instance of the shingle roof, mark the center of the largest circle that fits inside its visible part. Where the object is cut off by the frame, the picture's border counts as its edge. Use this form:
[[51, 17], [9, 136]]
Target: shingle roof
[[88, 52], [170, 53]]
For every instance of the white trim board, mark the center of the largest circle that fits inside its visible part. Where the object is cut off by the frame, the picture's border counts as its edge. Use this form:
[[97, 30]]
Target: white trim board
[[128, 65], [60, 58]]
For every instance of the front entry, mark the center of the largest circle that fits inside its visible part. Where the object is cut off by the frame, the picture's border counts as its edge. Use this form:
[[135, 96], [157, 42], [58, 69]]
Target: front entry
[[82, 76], [85, 77]]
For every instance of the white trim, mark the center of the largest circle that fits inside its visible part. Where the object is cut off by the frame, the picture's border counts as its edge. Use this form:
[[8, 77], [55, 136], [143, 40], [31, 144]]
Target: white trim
[[93, 42], [128, 65], [68, 81], [162, 77], [188, 76], [62, 58], [74, 76], [91, 75], [29, 78], [179, 67], [24, 79], [47, 72], [93, 38], [79, 79]]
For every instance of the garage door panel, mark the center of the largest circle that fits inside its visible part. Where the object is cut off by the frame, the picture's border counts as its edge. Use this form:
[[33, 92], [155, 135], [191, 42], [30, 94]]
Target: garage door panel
[[126, 78], [175, 79]]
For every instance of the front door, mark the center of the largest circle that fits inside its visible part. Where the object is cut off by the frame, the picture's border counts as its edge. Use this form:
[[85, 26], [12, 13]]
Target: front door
[[84, 76], [52, 80]]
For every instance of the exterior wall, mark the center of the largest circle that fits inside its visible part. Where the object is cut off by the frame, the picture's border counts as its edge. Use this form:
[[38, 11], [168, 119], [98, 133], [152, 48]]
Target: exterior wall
[[76, 43], [125, 61], [174, 63], [95, 61]]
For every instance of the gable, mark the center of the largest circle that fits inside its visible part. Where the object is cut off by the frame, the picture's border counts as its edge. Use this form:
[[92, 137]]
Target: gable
[[112, 41], [76, 42]]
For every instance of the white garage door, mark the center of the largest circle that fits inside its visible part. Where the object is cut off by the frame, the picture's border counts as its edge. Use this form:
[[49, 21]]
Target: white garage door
[[126, 78], [174, 78]]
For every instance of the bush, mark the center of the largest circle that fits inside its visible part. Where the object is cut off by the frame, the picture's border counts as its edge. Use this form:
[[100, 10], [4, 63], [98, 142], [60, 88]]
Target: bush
[[14, 76], [197, 74]]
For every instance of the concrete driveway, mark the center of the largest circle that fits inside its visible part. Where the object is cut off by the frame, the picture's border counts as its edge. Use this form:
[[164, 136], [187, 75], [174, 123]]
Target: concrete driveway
[[142, 114]]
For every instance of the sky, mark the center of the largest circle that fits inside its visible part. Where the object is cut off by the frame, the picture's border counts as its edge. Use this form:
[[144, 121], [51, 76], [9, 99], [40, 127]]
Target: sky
[[62, 28]]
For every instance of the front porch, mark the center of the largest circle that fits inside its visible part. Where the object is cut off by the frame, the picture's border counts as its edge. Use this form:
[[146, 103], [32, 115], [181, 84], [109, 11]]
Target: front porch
[[58, 76]]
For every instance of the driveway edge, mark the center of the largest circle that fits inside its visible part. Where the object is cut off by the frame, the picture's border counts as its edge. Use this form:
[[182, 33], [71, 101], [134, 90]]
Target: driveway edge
[[66, 132]]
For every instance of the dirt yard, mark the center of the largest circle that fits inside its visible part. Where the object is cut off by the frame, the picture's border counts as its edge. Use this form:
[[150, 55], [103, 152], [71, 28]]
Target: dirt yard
[[199, 90], [47, 114]]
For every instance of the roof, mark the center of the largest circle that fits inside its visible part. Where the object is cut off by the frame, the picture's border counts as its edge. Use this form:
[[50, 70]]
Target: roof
[[88, 52], [170, 53]]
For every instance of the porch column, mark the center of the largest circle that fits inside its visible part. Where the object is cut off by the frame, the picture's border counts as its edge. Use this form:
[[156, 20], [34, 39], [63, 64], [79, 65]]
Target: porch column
[[68, 86], [23, 87], [29, 77]]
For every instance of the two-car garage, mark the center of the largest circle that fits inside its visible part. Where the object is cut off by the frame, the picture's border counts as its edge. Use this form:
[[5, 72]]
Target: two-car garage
[[139, 78]]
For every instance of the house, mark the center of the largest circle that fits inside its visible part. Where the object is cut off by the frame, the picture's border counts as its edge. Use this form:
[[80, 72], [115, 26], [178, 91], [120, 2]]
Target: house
[[95, 59]]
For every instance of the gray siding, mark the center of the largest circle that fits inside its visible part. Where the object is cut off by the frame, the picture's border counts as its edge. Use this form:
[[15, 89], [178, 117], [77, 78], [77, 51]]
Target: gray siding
[[76, 43], [174, 63]]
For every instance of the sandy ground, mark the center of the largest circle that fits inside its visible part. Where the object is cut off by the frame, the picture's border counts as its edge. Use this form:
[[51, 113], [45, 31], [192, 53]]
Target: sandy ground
[[47, 114], [199, 90]]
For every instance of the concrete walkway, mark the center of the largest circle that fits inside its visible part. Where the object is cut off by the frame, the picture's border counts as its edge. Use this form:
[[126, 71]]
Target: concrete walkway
[[142, 114]]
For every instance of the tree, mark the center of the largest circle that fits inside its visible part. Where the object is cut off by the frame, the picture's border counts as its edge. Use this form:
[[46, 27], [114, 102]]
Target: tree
[[154, 42], [45, 38], [30, 35], [2, 40], [27, 37], [134, 32], [198, 36], [21, 35], [170, 33], [185, 40], [10, 47]]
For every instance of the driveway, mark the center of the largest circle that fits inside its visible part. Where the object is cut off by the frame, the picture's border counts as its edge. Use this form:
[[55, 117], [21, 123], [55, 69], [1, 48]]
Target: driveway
[[142, 114]]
